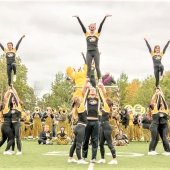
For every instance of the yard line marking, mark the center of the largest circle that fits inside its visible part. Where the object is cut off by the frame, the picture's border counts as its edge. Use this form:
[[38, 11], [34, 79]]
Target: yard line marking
[[119, 154], [91, 166], [126, 154]]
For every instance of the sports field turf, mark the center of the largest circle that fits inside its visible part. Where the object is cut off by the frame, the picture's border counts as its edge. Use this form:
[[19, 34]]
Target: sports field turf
[[54, 157]]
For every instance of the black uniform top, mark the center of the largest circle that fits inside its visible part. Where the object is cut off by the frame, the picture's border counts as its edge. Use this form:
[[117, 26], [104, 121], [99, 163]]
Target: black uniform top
[[16, 115], [10, 54], [156, 57], [135, 121], [105, 116], [7, 117], [82, 117], [124, 119], [92, 40], [92, 107], [146, 122], [82, 114]]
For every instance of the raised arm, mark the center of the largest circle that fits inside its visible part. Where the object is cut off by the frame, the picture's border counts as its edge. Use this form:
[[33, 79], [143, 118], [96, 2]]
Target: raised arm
[[17, 46], [6, 95], [85, 88], [81, 24], [166, 46], [101, 24], [15, 94], [154, 98], [149, 47], [102, 92], [2, 47]]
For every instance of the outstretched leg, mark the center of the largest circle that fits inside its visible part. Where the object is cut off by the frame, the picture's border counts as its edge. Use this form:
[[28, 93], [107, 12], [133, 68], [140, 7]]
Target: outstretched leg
[[156, 73], [97, 63], [14, 70], [89, 59], [9, 72]]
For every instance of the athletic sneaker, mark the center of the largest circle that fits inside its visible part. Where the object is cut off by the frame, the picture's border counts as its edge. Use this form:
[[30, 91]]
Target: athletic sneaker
[[113, 162], [14, 78], [19, 153], [101, 161], [152, 153], [71, 160], [93, 161], [12, 152], [7, 152], [82, 161], [166, 153]]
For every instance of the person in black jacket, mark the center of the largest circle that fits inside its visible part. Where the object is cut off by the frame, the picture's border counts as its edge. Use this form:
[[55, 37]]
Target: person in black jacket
[[45, 136], [124, 120]]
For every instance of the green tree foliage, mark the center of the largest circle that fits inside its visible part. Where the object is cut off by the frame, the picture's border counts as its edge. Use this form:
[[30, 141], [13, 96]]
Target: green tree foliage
[[61, 93], [146, 91], [122, 82], [134, 92], [165, 85], [25, 92]]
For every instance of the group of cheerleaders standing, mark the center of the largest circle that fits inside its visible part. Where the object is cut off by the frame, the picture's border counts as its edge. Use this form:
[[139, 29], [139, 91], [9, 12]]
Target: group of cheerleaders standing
[[88, 105], [88, 126]]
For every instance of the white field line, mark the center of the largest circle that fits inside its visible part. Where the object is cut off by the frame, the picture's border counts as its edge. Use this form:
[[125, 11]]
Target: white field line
[[91, 166]]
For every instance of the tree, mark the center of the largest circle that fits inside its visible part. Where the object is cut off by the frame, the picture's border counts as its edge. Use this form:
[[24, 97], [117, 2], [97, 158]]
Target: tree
[[122, 82], [146, 91], [165, 85], [25, 92], [61, 93], [131, 92]]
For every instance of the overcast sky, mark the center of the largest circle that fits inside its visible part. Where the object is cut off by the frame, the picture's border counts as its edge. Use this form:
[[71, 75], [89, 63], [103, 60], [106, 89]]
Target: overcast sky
[[54, 39]]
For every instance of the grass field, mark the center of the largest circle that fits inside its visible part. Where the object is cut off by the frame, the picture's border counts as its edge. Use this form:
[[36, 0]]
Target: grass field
[[54, 157]]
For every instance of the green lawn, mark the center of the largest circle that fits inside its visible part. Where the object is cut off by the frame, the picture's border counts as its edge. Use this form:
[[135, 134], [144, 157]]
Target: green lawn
[[33, 158]]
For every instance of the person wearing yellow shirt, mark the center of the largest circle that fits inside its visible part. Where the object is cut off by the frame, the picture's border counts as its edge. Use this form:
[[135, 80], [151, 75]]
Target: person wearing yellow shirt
[[78, 78]]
